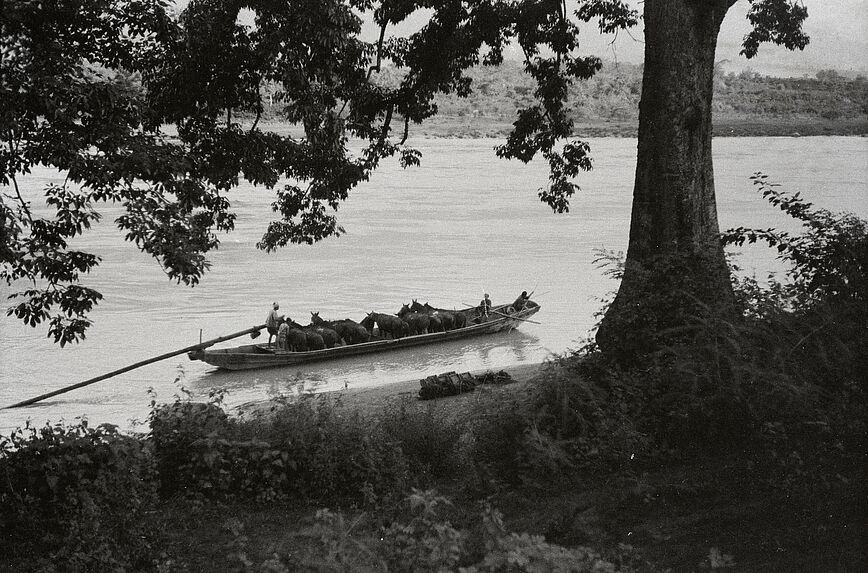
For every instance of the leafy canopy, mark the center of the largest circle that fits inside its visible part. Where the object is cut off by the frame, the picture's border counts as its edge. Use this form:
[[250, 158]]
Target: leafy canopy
[[160, 114]]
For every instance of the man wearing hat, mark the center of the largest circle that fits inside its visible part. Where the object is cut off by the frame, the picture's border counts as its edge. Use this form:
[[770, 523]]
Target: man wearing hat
[[272, 322]]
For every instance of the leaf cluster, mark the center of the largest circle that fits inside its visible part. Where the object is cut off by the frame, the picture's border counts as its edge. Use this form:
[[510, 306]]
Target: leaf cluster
[[304, 452], [423, 539], [72, 99], [826, 263], [76, 495], [777, 21]]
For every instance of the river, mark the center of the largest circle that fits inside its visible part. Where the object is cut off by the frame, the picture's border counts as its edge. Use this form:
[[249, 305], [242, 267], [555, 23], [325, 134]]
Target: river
[[462, 224]]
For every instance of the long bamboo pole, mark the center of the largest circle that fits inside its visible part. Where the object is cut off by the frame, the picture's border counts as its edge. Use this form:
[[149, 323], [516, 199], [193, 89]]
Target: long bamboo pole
[[514, 317], [200, 346]]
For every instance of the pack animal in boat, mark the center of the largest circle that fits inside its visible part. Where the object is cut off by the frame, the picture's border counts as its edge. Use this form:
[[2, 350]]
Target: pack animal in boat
[[389, 324], [350, 331], [417, 321], [313, 339], [296, 339], [330, 336], [449, 319], [435, 322], [459, 319]]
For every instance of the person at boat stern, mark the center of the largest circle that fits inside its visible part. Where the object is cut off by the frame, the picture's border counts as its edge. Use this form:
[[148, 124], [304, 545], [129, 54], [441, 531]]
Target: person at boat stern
[[272, 322], [484, 306], [521, 301]]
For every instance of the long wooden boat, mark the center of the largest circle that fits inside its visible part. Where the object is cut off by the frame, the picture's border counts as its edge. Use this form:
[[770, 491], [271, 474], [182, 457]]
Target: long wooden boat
[[502, 317]]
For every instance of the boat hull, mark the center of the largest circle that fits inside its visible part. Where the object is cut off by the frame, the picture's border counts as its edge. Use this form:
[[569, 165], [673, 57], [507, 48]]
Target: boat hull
[[253, 356]]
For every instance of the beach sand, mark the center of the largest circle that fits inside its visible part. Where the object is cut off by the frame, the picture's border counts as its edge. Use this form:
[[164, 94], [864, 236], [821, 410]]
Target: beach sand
[[376, 400]]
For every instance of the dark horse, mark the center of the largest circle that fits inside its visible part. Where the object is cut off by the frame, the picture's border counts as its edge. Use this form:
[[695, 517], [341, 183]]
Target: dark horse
[[435, 322], [418, 322], [330, 336], [313, 340], [449, 319], [349, 330], [388, 323], [296, 339]]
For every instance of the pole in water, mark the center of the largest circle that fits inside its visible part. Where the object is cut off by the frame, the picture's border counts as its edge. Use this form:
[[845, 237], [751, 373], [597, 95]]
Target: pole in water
[[252, 331]]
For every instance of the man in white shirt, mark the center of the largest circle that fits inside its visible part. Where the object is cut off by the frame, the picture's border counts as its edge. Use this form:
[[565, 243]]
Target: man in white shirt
[[272, 322]]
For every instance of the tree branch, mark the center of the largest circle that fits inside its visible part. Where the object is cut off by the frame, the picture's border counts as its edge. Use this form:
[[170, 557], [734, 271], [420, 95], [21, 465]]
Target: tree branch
[[406, 129], [376, 67], [255, 121], [24, 206]]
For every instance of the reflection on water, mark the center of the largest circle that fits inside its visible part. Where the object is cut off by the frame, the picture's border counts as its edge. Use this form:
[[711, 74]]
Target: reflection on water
[[478, 353], [461, 224]]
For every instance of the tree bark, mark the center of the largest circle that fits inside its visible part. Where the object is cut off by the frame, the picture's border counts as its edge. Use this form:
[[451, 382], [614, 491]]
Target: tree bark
[[674, 214]]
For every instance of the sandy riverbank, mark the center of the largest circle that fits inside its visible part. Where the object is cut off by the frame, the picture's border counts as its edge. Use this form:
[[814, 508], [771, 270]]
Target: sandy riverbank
[[374, 400]]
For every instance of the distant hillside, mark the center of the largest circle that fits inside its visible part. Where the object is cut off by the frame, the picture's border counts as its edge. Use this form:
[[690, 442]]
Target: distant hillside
[[608, 104]]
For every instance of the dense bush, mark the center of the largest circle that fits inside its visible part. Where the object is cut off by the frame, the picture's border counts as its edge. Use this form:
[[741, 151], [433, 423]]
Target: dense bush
[[303, 449], [432, 446], [424, 540], [75, 499], [785, 370], [175, 428]]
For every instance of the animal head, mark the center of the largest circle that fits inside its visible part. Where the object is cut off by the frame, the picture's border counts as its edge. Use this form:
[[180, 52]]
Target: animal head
[[314, 318], [404, 310]]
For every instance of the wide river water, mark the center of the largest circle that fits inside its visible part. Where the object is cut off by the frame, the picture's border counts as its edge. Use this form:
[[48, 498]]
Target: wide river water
[[463, 223]]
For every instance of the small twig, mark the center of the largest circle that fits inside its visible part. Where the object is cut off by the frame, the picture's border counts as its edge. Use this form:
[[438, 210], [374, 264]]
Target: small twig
[[384, 133], [21, 200], [406, 129], [255, 121], [376, 67], [805, 337]]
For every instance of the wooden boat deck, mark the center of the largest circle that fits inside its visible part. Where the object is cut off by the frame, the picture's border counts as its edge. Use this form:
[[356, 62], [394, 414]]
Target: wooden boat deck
[[252, 356]]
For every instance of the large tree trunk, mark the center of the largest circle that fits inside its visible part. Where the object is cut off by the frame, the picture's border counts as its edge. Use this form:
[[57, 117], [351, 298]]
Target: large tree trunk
[[673, 229]]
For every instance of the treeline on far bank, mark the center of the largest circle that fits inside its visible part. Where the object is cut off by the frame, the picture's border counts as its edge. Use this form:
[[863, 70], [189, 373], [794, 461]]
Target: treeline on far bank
[[745, 103]]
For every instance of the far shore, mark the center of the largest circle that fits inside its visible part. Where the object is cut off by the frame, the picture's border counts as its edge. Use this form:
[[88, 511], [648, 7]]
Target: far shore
[[481, 127]]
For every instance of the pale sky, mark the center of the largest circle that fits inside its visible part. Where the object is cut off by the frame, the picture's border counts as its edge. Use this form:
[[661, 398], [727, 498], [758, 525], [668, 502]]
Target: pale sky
[[837, 29]]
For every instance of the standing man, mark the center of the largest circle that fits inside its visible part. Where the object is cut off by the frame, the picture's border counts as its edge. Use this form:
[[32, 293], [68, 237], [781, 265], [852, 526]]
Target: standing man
[[484, 306], [272, 322], [282, 334]]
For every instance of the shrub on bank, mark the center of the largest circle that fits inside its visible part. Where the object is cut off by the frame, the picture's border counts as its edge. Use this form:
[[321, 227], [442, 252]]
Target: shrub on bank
[[787, 372], [301, 450], [75, 498], [432, 446], [424, 540], [175, 428]]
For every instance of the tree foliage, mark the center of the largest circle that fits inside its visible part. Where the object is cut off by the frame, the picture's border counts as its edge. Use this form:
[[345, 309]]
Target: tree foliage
[[160, 114], [70, 99], [828, 262]]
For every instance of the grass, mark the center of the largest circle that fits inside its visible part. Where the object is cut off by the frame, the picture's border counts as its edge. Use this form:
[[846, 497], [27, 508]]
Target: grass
[[672, 511], [669, 512]]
